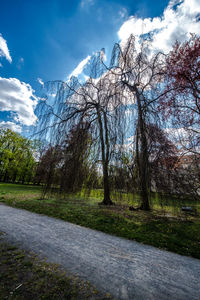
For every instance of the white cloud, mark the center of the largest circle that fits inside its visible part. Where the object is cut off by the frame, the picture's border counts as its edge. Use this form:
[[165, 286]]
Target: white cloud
[[43, 98], [103, 55], [86, 77], [11, 125], [40, 81], [4, 52], [20, 63], [53, 94], [18, 98], [21, 60], [179, 19], [130, 139], [86, 3], [79, 69], [123, 13], [184, 139]]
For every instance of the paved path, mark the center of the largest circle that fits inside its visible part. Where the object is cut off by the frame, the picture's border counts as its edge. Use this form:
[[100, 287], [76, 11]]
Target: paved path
[[125, 269]]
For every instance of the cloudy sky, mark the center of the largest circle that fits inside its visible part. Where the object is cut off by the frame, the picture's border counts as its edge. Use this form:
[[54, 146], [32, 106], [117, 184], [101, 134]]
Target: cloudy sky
[[54, 39]]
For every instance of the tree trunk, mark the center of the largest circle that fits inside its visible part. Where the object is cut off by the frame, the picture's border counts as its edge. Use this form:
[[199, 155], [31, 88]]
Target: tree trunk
[[14, 177], [142, 157], [144, 162], [105, 158], [5, 176], [106, 200]]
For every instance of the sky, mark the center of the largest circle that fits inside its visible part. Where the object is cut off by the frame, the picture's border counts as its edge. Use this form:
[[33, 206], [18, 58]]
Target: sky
[[54, 39]]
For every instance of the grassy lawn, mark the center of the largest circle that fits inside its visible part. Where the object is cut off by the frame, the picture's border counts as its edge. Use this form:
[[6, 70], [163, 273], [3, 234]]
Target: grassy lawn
[[165, 227], [23, 276]]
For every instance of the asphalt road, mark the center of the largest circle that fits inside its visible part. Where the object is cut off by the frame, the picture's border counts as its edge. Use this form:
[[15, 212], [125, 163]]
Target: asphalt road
[[125, 269]]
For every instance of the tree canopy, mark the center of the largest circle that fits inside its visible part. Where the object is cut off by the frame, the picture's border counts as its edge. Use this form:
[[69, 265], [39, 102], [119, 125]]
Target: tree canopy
[[139, 82], [17, 162]]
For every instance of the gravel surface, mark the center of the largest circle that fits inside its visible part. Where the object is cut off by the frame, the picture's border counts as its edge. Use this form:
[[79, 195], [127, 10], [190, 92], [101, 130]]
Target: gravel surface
[[123, 268]]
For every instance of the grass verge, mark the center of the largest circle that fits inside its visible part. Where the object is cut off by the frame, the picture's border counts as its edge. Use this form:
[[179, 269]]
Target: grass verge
[[178, 232], [23, 276]]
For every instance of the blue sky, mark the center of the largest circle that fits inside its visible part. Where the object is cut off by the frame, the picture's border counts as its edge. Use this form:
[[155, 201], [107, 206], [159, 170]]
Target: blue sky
[[51, 39]]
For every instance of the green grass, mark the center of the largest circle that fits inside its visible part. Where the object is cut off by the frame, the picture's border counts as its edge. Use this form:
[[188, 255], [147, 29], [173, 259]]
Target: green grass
[[10, 188], [165, 227]]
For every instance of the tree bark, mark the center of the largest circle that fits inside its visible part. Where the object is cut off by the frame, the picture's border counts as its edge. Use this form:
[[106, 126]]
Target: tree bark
[[142, 157], [105, 158], [144, 162]]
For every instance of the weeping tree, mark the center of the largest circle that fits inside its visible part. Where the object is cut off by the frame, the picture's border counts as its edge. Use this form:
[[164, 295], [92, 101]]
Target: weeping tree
[[64, 166], [139, 74], [48, 167], [137, 80], [74, 167], [95, 103]]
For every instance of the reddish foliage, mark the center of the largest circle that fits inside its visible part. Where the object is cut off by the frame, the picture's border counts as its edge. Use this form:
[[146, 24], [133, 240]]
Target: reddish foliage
[[183, 64], [161, 149], [183, 81]]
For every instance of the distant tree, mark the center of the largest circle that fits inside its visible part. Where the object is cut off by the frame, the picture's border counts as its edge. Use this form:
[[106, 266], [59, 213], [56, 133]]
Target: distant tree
[[17, 162]]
